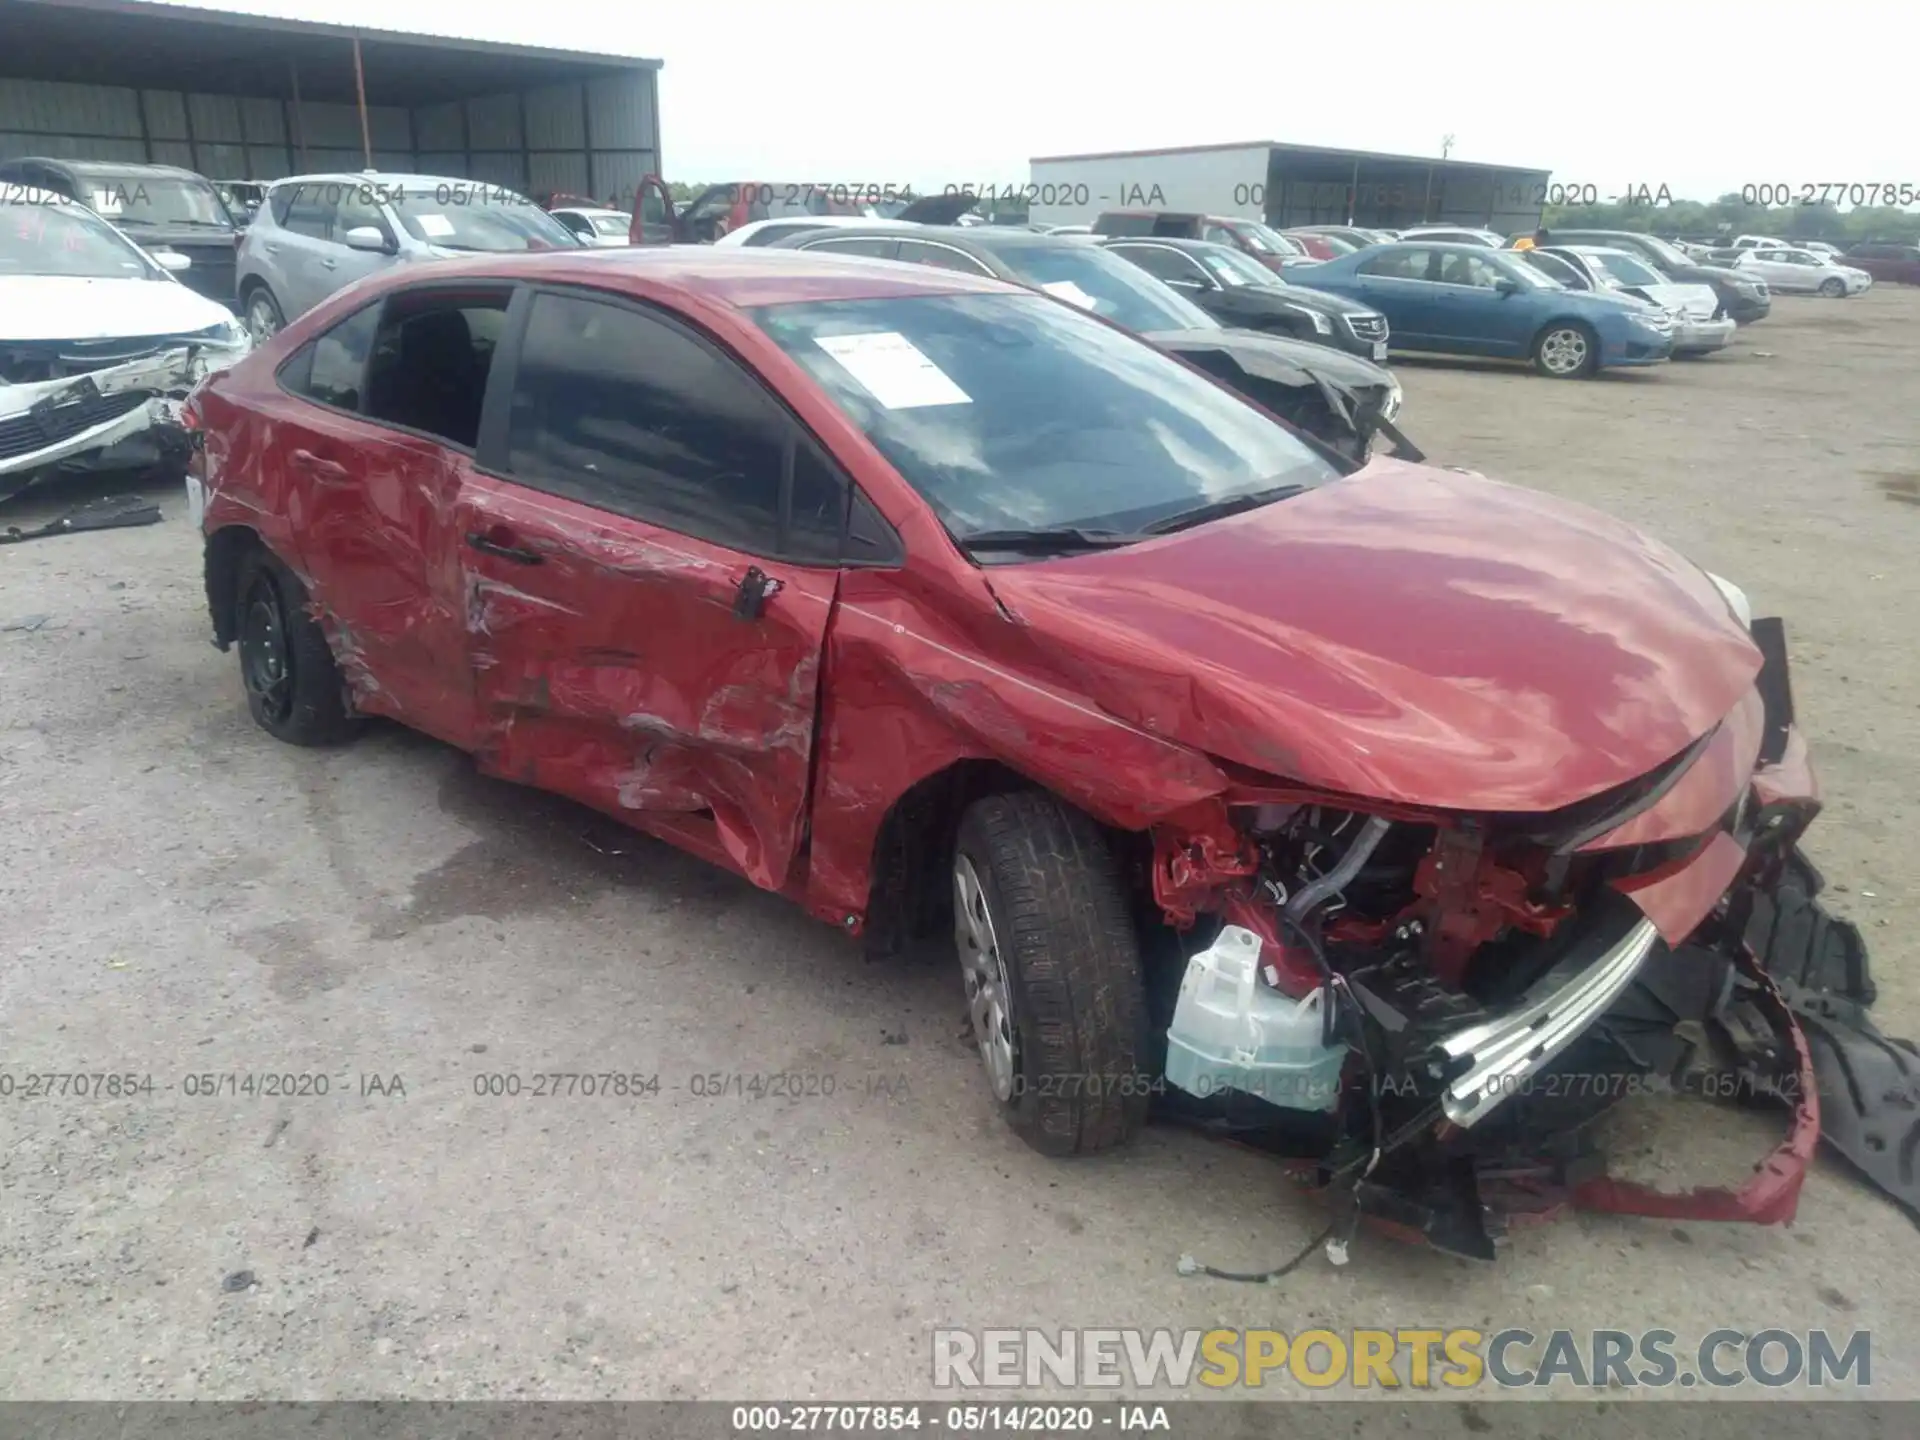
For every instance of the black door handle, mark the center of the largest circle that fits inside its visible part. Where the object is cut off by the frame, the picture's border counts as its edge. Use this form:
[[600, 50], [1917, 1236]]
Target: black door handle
[[505, 552]]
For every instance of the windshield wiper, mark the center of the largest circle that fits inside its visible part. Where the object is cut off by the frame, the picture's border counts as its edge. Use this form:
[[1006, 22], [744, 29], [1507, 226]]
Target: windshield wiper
[[1045, 538], [1215, 509]]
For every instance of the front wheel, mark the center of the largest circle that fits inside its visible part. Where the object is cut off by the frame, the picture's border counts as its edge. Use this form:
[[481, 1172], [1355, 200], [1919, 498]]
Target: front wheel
[[1566, 352], [1833, 288], [263, 316], [1051, 963]]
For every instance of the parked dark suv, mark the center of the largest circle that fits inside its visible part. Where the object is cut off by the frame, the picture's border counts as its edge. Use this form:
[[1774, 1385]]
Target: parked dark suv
[[1887, 260], [159, 207]]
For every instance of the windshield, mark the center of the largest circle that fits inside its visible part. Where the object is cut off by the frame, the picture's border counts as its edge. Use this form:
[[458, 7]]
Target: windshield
[[608, 222], [1230, 267], [479, 217], [50, 238], [1009, 413], [1105, 284], [152, 201], [1629, 271]]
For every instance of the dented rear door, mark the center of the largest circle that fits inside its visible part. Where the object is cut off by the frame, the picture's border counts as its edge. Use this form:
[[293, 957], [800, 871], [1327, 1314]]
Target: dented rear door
[[638, 639]]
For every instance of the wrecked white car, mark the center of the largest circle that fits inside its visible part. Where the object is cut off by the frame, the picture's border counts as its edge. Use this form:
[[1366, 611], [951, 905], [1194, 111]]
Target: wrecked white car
[[99, 344]]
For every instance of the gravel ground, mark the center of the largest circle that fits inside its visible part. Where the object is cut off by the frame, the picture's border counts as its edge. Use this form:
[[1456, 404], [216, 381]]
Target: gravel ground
[[184, 897]]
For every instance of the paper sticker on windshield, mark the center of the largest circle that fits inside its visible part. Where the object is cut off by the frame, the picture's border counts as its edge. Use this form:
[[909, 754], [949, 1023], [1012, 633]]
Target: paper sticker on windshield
[[434, 227], [891, 369], [1071, 293]]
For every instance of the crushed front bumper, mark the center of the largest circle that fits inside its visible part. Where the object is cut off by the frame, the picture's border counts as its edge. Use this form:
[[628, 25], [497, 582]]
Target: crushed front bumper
[[1695, 336], [110, 418]]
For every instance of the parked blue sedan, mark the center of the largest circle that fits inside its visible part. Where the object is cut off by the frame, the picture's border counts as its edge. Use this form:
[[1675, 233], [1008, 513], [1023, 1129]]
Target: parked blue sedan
[[1469, 300]]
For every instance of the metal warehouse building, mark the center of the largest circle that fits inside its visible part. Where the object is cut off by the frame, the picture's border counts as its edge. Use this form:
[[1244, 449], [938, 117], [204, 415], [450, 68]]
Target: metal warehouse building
[[1289, 185], [243, 97]]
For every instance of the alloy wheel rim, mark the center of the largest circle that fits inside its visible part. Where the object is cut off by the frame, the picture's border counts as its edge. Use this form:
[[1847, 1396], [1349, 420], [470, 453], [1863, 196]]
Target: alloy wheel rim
[[263, 653], [1564, 351], [989, 1003], [260, 319]]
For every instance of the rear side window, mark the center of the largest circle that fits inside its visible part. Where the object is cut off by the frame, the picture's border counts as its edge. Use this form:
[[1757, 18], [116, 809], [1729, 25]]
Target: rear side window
[[430, 362], [1159, 261], [626, 413], [331, 368], [309, 210], [1399, 265]]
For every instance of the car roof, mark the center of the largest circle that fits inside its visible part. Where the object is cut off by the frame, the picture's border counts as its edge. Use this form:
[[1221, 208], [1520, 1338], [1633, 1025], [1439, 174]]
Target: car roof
[[590, 210], [110, 167], [740, 277], [1177, 242], [389, 180]]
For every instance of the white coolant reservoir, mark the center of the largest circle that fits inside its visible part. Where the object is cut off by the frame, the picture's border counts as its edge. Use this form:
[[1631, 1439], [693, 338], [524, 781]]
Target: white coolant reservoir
[[1230, 1032]]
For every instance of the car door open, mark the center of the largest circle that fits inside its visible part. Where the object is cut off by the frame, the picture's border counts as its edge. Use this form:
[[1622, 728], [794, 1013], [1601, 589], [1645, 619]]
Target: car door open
[[650, 563]]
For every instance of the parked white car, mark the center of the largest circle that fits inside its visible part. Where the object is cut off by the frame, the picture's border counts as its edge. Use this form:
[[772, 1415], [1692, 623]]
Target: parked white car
[[1803, 271], [1698, 326], [99, 343], [601, 229]]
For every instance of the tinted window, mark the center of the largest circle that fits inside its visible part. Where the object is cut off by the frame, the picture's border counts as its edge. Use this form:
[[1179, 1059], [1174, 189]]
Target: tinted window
[[309, 210], [1554, 268], [856, 245], [1398, 265], [1159, 261], [627, 413], [1123, 225], [337, 361], [818, 511], [944, 257], [777, 232], [431, 359], [1010, 411]]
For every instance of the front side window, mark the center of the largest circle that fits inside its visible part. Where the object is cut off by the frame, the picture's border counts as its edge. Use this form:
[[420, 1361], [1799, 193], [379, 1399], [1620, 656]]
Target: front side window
[[1008, 412], [357, 211], [1159, 262], [1554, 268], [858, 245], [63, 239], [331, 368], [307, 209], [1462, 269], [625, 412]]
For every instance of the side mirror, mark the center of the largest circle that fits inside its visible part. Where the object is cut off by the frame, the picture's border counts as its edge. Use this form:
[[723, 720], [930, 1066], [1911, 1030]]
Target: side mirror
[[367, 237], [171, 260], [1506, 286]]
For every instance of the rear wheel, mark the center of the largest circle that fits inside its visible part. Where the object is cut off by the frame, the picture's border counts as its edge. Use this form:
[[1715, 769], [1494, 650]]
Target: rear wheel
[[263, 315], [294, 689], [1566, 351], [1051, 963]]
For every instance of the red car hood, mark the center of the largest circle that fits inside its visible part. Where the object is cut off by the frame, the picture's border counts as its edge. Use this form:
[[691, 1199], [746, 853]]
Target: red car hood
[[1409, 634]]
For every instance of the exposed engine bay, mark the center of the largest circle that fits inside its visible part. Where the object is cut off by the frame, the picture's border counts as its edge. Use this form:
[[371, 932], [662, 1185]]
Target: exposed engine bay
[[1444, 1005]]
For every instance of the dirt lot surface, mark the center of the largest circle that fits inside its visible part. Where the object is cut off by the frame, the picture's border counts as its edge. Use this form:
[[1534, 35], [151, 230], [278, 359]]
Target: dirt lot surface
[[182, 896]]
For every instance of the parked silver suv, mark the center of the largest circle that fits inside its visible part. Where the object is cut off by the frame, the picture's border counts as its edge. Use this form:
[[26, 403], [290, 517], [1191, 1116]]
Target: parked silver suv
[[316, 234]]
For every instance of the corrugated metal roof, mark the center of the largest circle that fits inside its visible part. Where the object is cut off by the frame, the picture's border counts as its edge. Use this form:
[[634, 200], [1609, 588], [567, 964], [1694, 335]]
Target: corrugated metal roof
[[1379, 156]]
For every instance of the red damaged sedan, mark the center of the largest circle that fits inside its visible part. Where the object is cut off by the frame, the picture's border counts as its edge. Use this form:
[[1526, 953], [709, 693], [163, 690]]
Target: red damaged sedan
[[1397, 820]]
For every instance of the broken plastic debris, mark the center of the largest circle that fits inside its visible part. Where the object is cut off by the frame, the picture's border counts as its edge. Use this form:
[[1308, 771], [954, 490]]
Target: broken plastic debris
[[1337, 1251], [1188, 1265]]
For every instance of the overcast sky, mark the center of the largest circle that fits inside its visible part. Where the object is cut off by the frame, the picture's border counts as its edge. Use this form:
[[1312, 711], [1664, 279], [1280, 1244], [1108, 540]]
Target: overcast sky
[[1701, 97]]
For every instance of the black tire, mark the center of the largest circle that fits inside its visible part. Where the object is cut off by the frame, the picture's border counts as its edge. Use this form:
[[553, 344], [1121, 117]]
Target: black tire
[[1551, 342], [1796, 939], [260, 306], [1833, 289], [1070, 958], [294, 690]]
